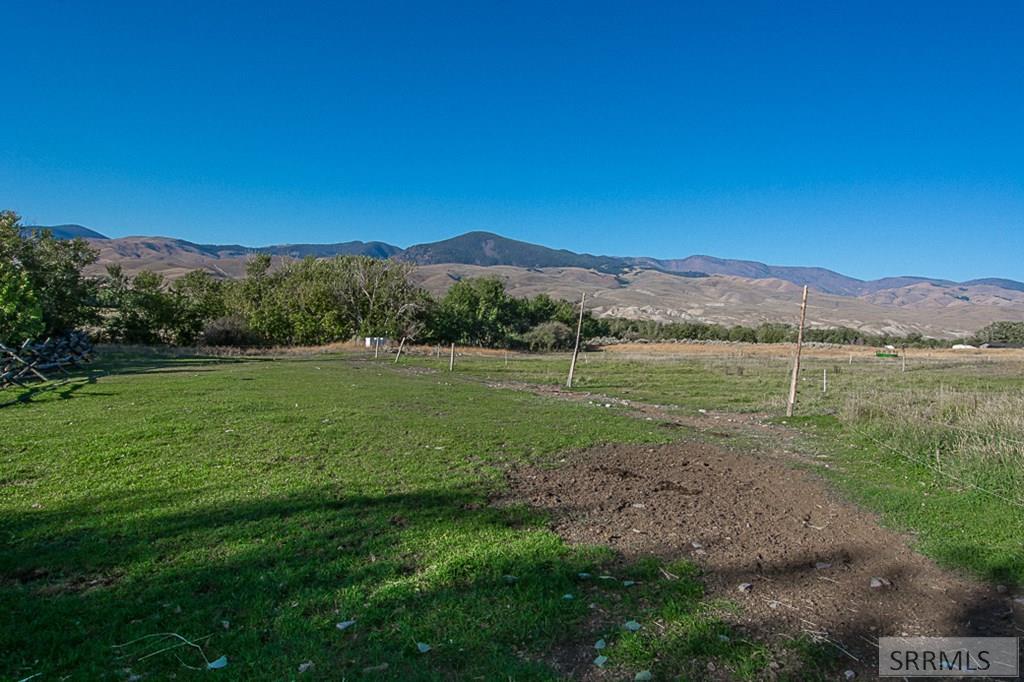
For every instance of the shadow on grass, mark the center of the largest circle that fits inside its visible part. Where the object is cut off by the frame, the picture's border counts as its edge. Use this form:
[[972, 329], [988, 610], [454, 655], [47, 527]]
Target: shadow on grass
[[270, 578], [63, 389], [122, 363], [117, 363]]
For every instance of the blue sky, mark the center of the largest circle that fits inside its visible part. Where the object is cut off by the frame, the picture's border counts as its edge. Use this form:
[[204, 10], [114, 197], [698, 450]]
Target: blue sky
[[874, 138]]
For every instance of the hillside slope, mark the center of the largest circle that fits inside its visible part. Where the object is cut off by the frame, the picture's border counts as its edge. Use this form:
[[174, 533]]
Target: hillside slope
[[726, 299]]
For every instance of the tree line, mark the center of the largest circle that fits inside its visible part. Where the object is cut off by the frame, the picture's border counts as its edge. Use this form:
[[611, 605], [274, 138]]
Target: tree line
[[44, 292], [766, 332]]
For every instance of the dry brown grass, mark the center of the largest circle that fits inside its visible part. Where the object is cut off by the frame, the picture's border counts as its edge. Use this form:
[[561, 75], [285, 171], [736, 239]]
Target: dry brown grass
[[831, 352]]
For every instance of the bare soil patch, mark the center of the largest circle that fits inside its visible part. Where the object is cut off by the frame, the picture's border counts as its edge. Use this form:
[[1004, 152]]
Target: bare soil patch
[[810, 558]]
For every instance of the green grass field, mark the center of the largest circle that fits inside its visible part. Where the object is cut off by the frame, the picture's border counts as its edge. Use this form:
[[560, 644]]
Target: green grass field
[[251, 506]]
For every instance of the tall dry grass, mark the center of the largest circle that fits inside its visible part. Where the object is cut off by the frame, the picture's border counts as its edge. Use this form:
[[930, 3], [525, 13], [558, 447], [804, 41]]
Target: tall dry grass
[[972, 436]]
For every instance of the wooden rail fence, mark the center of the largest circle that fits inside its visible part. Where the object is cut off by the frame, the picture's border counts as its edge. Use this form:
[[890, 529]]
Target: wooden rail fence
[[32, 360]]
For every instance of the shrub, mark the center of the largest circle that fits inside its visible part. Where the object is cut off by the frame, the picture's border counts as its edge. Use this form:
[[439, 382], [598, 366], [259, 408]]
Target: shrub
[[549, 336], [230, 330]]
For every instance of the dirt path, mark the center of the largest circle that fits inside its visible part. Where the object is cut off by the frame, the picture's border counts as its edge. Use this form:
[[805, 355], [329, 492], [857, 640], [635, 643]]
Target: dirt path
[[815, 564]]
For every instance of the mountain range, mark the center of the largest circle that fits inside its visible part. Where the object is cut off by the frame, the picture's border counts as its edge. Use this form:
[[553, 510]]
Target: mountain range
[[697, 287]]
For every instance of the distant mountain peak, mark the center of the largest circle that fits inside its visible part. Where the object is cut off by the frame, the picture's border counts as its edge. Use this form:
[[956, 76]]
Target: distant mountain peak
[[488, 249]]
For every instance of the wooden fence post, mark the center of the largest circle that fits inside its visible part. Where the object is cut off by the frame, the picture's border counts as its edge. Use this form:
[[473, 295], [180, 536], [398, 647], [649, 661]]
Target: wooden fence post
[[576, 348], [451, 360], [401, 345], [796, 360]]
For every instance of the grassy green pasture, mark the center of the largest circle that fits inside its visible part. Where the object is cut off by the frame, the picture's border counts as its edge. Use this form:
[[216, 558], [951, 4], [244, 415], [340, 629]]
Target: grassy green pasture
[[252, 505]]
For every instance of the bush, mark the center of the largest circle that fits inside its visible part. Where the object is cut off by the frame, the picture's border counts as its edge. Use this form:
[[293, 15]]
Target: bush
[[549, 336], [230, 330]]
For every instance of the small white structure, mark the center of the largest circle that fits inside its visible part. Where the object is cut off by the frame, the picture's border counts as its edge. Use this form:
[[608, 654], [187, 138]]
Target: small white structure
[[963, 346], [372, 341]]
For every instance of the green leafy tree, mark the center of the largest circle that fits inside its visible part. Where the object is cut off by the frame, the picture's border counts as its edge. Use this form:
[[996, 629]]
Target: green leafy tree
[[477, 311], [21, 316], [542, 308], [1001, 332], [198, 298], [741, 333], [317, 301], [54, 269], [380, 296], [140, 308], [769, 332]]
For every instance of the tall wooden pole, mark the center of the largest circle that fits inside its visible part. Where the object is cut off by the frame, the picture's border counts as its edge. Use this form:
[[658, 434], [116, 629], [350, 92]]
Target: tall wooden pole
[[576, 348], [451, 360], [796, 361]]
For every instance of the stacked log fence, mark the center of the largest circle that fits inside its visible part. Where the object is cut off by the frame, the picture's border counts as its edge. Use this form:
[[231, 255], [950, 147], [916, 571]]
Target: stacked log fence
[[35, 361]]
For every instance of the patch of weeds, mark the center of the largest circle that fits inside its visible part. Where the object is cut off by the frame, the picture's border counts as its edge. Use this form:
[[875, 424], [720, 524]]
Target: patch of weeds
[[678, 633], [817, 421], [817, 660]]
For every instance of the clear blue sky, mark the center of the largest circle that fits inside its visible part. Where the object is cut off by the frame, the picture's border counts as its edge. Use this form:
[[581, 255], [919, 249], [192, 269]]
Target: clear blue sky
[[874, 138]]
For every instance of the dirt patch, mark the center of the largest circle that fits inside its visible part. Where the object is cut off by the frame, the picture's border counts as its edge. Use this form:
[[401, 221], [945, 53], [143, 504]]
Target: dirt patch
[[45, 583], [810, 558]]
